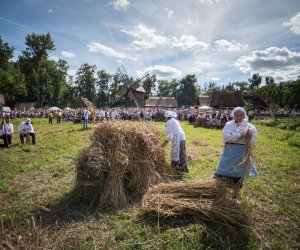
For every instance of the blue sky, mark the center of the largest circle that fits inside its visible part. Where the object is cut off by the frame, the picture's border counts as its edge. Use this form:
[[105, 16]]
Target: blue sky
[[218, 40]]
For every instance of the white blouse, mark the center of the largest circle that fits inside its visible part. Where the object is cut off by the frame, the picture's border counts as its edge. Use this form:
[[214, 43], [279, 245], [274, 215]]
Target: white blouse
[[232, 132], [25, 128], [9, 127], [173, 128]]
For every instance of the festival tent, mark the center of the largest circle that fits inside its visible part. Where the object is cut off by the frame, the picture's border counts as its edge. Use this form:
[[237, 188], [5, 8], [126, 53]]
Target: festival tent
[[205, 108], [54, 108], [68, 109]]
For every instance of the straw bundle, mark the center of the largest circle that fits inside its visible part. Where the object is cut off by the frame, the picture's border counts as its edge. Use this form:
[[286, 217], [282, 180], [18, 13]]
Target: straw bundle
[[200, 199], [200, 122], [123, 160]]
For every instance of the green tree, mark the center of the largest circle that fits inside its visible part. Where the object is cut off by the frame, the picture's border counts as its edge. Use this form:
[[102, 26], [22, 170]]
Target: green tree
[[102, 82], [269, 80], [70, 93], [166, 88], [210, 87], [115, 88], [291, 93], [149, 85], [187, 94], [12, 82], [36, 53], [241, 85], [255, 81], [85, 81], [54, 82], [6, 53], [271, 93]]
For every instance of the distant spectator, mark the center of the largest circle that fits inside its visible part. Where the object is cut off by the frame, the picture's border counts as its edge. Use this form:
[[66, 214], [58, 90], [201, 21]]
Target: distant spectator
[[85, 116], [26, 129]]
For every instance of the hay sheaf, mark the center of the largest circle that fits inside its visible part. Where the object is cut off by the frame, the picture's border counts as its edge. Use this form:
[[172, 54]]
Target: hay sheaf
[[123, 160], [200, 122], [200, 199]]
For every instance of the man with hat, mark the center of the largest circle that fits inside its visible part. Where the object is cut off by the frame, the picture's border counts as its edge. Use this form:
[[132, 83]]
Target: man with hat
[[177, 136], [26, 128]]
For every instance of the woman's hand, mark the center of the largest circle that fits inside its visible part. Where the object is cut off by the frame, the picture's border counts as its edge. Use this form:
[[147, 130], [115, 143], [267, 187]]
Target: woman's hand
[[247, 134]]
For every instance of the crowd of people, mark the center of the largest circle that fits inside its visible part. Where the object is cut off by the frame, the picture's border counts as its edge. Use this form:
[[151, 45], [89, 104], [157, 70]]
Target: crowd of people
[[213, 117], [150, 114]]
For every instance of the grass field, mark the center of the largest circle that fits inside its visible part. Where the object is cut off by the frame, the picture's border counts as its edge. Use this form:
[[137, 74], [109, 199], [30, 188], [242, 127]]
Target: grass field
[[37, 209]]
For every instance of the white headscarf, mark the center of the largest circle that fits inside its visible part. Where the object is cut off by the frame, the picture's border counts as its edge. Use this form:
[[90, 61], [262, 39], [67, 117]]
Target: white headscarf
[[169, 114], [239, 109]]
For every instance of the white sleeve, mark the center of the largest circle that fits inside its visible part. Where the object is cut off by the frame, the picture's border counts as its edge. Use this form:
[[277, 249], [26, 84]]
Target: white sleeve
[[31, 130], [20, 128], [169, 130], [229, 134], [254, 134]]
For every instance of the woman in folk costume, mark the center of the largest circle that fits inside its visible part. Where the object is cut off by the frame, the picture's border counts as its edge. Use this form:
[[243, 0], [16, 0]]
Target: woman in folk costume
[[177, 136], [237, 134]]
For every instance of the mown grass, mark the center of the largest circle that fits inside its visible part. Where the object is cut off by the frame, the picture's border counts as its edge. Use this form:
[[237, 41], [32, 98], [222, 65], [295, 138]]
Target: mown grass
[[37, 197]]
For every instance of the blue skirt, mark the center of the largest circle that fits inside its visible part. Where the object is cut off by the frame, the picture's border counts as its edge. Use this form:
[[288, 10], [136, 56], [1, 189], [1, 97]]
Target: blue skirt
[[229, 164]]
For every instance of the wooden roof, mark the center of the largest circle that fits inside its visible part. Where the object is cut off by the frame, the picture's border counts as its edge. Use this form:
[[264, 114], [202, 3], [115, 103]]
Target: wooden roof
[[160, 101]]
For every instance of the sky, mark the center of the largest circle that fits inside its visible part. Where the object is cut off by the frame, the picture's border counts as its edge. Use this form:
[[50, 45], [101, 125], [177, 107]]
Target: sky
[[219, 41]]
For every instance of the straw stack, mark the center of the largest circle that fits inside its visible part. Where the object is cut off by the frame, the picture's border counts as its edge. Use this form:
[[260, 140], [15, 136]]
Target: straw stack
[[200, 199], [123, 160]]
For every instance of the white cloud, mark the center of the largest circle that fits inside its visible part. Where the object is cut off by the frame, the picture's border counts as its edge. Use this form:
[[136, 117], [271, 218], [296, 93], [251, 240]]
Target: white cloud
[[95, 47], [210, 2], [53, 58], [162, 71], [294, 23], [120, 4], [225, 45], [213, 79], [189, 42], [280, 63], [170, 13], [201, 66], [72, 72], [68, 54], [50, 11], [146, 37]]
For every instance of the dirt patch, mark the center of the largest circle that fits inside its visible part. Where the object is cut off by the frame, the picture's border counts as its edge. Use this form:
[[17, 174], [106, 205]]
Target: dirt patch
[[199, 143], [192, 154]]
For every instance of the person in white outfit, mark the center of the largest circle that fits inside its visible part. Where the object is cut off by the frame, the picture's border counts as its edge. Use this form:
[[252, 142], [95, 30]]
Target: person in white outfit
[[176, 134], [231, 166], [26, 128]]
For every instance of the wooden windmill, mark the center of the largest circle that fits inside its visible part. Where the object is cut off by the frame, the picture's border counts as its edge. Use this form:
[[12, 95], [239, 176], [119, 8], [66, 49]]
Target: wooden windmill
[[132, 91]]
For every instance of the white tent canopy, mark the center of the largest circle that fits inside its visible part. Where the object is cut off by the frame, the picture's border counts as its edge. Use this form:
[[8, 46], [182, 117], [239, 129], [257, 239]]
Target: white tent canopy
[[205, 107], [54, 108], [68, 109]]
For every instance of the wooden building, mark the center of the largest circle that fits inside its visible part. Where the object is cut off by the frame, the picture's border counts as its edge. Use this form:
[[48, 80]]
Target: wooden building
[[161, 102]]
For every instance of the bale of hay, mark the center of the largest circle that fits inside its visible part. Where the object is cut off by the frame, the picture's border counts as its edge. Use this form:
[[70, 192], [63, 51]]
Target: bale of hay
[[200, 122], [200, 199], [123, 160]]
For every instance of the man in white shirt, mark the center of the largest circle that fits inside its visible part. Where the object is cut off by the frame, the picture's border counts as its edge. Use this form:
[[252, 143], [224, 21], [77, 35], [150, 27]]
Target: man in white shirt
[[177, 136], [3, 134], [8, 130], [26, 128], [102, 115]]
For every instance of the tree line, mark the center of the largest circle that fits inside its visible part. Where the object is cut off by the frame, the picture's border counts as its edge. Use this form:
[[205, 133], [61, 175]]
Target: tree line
[[33, 77]]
